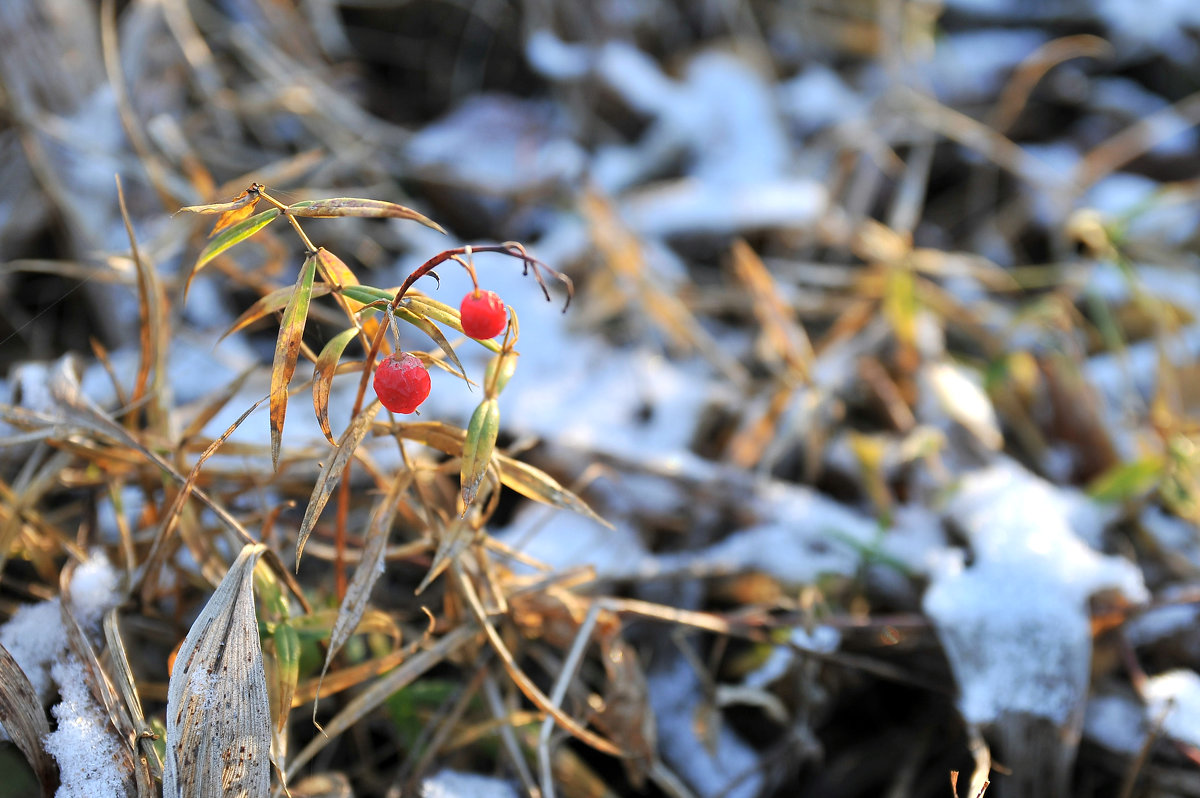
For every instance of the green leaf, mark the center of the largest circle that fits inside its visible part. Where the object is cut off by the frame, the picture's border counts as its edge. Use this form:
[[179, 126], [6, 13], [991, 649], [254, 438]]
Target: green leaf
[[287, 655], [233, 235], [287, 351], [477, 448], [1127, 480]]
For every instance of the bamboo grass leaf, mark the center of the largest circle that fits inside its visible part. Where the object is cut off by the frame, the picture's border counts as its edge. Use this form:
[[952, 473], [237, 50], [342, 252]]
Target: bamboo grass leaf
[[234, 235], [323, 371], [287, 351], [367, 208]]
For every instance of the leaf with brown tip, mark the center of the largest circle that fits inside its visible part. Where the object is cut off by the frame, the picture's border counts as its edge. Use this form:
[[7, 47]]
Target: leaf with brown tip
[[323, 371], [234, 235], [218, 706], [367, 208], [327, 480], [287, 351]]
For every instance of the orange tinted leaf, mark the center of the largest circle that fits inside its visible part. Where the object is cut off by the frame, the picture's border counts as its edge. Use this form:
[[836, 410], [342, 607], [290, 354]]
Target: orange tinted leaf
[[240, 201], [232, 217], [234, 235], [352, 206], [287, 350], [323, 373], [333, 270], [271, 303]]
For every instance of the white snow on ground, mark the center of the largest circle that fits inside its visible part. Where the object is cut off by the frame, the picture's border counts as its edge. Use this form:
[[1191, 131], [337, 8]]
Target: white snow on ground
[[1015, 623], [454, 784], [87, 752], [728, 768], [1174, 697], [1116, 722]]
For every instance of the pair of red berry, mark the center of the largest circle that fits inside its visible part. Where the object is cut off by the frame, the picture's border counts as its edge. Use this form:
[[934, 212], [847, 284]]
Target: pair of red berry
[[402, 381]]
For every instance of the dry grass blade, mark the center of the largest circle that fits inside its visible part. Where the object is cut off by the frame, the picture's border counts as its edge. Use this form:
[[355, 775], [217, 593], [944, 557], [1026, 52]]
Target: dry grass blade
[[327, 480], [785, 336], [372, 697], [218, 709], [533, 483], [234, 235], [369, 569], [323, 371], [159, 549], [22, 716], [127, 687], [287, 350], [271, 303], [368, 208], [246, 198], [152, 327]]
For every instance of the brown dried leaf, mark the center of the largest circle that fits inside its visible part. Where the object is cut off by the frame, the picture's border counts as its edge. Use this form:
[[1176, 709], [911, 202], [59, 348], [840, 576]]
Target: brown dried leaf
[[327, 480], [351, 206], [218, 709], [23, 718], [369, 569], [323, 371], [287, 351]]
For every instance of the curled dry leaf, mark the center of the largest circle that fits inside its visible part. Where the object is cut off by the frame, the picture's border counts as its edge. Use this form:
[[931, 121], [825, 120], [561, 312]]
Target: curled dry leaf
[[22, 717], [218, 709]]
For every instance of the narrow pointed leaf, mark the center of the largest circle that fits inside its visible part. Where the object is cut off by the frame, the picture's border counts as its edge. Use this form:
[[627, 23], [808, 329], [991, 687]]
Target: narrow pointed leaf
[[287, 659], [478, 447], [22, 716], [240, 201], [366, 294], [351, 206], [327, 480], [287, 350], [323, 372], [443, 314], [218, 709], [451, 543], [271, 303], [429, 328], [234, 235], [369, 569]]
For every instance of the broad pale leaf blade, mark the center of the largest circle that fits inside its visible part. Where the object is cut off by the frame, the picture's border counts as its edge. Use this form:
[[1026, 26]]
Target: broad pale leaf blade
[[266, 305], [287, 351], [327, 480], [234, 235], [352, 206], [369, 569], [22, 716], [323, 371], [477, 448], [218, 707]]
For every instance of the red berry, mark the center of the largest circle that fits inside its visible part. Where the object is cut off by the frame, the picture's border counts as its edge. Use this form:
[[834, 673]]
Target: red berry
[[401, 382], [483, 314]]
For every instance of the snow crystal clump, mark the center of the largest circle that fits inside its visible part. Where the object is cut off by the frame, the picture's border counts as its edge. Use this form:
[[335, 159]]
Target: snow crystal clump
[[1015, 623]]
